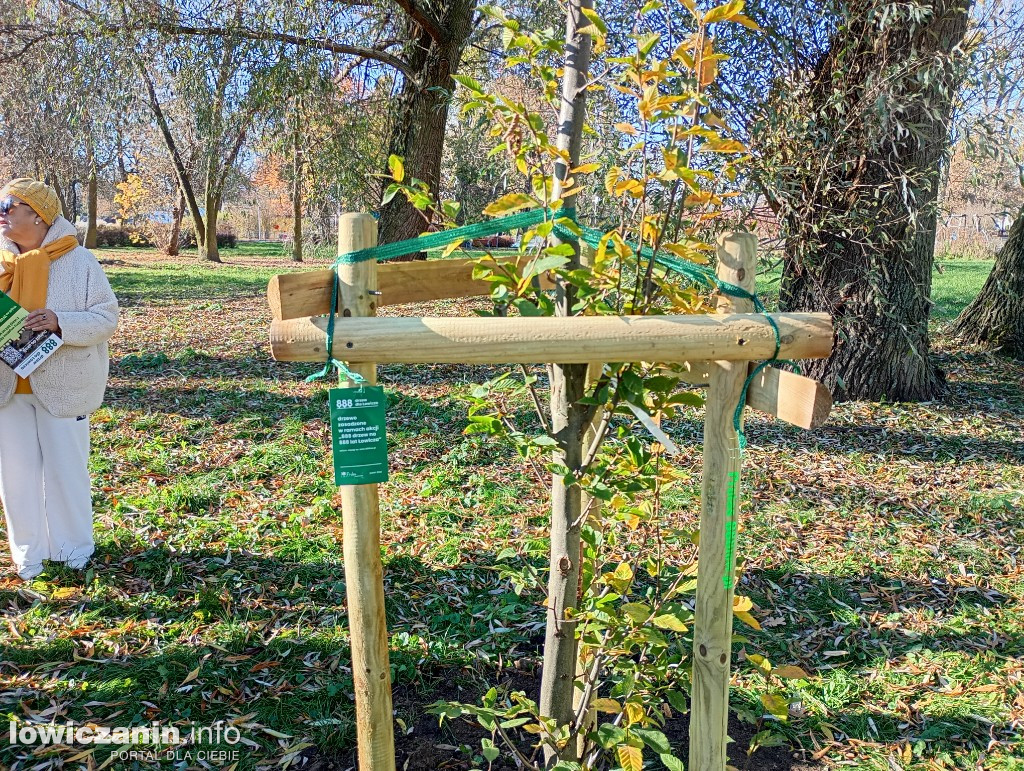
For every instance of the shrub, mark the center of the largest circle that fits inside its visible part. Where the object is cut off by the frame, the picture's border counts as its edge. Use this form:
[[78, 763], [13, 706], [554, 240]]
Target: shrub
[[225, 239], [117, 236]]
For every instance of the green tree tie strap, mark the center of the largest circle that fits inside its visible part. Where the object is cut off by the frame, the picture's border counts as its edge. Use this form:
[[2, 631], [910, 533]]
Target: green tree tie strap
[[697, 274]]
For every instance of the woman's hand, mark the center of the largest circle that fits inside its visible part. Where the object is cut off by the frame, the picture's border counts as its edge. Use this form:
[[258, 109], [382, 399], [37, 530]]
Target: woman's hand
[[42, 319]]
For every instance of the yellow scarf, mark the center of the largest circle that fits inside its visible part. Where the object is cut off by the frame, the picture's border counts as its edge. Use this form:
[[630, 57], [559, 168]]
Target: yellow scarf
[[27, 278]]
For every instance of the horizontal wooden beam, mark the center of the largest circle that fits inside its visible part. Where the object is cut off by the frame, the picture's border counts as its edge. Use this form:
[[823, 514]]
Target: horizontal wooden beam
[[494, 340], [298, 295]]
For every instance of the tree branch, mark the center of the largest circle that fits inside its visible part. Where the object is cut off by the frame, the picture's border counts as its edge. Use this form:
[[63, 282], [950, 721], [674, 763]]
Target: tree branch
[[283, 37], [421, 17]]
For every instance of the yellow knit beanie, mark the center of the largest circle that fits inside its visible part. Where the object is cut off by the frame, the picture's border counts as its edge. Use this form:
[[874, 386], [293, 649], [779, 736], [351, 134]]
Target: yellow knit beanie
[[40, 196]]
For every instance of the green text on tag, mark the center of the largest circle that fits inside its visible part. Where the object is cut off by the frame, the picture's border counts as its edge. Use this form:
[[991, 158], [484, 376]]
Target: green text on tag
[[357, 435]]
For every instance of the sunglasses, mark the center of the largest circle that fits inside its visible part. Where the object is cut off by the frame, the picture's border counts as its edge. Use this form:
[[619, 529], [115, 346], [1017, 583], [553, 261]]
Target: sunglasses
[[8, 204]]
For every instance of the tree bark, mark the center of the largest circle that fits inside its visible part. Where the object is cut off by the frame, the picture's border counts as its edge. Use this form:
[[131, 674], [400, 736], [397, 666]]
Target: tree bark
[[177, 214], [569, 423], [420, 112], [297, 189], [209, 250], [54, 182], [873, 269], [92, 204], [996, 316]]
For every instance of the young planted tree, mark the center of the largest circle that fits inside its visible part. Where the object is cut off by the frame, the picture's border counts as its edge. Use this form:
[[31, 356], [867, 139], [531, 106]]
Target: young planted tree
[[616, 617]]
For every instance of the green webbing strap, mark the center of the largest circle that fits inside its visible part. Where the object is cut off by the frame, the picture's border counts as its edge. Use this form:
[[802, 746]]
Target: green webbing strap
[[430, 241], [706, 278], [525, 219], [385, 252]]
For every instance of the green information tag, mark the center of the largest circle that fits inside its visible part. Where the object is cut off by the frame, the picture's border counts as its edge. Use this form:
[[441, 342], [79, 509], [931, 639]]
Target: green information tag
[[357, 433]]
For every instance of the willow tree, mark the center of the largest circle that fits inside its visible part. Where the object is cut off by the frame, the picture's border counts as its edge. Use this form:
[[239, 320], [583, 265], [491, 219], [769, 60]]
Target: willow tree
[[996, 316], [849, 145]]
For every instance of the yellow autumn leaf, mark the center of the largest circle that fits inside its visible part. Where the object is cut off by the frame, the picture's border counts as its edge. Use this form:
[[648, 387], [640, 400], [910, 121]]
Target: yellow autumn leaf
[[509, 203], [586, 168], [397, 168], [724, 12], [747, 619], [634, 713], [611, 179], [686, 253], [633, 187], [776, 704], [708, 71], [740, 602], [626, 128], [631, 758], [711, 119], [724, 146], [191, 676], [608, 706], [670, 622]]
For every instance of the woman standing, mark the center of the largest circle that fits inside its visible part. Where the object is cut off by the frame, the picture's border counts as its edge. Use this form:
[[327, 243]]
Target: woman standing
[[44, 419]]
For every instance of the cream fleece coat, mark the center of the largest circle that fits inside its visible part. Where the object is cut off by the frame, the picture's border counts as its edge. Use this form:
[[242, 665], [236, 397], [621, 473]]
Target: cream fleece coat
[[73, 380]]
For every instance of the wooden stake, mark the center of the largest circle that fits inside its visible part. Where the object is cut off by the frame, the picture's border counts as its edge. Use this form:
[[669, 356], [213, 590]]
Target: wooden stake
[[712, 633], [364, 582]]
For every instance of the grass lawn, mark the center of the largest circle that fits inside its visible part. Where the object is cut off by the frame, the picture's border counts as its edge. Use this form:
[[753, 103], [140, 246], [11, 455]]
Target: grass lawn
[[883, 555]]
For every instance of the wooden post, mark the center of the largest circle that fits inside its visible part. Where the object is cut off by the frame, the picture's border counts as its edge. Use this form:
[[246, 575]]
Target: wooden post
[[360, 510], [712, 634]]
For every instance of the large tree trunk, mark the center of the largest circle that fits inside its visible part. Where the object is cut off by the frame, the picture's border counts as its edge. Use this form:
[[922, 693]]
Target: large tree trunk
[[862, 236], [420, 113], [996, 317]]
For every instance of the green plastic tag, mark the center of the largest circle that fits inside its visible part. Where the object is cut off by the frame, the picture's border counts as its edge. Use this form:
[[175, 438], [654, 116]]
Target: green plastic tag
[[358, 437]]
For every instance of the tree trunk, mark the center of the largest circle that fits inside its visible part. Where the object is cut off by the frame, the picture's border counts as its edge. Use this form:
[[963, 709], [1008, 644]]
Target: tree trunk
[[177, 214], [420, 113], [996, 316], [297, 191], [569, 423], [92, 228], [52, 181], [877, 206], [180, 172], [208, 249]]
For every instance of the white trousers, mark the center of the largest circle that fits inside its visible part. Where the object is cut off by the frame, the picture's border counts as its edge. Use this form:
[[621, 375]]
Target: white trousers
[[44, 485]]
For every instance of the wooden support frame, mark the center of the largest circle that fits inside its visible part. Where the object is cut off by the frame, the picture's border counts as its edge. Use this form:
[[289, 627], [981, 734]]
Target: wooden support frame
[[718, 350]]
